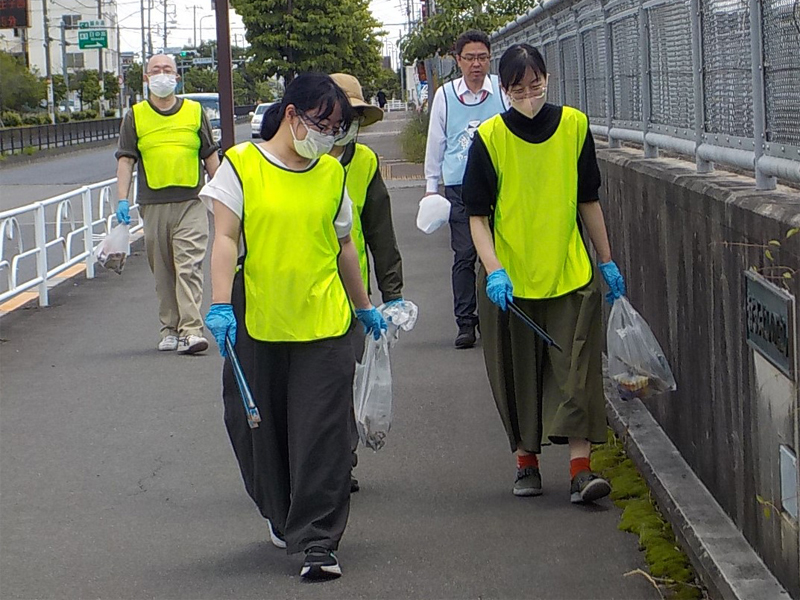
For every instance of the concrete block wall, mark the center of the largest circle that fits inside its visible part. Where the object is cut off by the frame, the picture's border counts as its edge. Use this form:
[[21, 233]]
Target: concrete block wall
[[683, 241]]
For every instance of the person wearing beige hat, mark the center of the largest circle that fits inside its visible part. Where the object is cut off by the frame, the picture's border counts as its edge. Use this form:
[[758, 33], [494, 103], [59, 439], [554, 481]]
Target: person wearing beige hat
[[372, 213]]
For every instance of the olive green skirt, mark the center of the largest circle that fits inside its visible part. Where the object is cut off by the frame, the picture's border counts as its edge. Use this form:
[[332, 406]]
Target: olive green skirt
[[543, 395]]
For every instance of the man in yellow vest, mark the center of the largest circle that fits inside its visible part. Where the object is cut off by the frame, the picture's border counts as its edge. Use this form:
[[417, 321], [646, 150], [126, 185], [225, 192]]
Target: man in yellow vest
[[171, 140], [372, 213]]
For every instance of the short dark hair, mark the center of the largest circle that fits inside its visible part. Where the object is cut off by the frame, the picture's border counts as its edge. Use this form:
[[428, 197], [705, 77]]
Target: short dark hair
[[306, 92], [516, 60], [473, 35]]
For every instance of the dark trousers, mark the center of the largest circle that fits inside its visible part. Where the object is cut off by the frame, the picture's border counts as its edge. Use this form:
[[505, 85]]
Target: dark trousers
[[296, 464], [464, 259]]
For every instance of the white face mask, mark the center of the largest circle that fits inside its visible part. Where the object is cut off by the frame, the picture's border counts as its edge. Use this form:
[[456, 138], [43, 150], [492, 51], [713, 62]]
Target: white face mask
[[162, 84], [349, 136], [314, 145]]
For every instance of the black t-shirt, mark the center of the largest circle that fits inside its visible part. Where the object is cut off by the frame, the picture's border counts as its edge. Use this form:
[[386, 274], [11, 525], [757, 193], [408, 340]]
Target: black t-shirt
[[479, 189]]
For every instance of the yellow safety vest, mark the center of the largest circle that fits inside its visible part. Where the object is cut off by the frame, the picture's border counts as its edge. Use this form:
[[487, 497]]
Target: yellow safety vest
[[169, 145], [536, 234], [360, 171], [293, 291]]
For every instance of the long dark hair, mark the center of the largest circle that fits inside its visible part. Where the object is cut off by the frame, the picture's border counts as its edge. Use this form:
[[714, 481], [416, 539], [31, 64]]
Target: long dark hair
[[308, 91], [516, 60]]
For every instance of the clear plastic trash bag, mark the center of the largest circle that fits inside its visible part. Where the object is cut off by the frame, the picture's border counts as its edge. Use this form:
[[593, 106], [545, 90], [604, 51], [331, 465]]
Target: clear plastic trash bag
[[372, 386], [434, 211], [636, 362], [113, 250]]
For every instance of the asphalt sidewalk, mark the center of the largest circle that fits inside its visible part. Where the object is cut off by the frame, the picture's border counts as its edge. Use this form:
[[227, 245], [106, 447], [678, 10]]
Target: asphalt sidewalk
[[118, 481]]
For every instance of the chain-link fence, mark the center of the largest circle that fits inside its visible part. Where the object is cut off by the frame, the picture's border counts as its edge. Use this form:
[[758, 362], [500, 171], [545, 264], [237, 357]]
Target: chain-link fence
[[715, 79]]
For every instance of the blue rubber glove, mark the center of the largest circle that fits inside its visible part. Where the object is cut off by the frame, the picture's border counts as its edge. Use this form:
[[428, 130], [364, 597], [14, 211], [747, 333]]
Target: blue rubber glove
[[123, 212], [499, 288], [616, 284], [372, 320], [221, 322]]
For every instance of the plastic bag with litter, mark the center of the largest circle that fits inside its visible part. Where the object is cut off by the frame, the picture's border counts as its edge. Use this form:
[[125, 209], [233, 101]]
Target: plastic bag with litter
[[636, 362], [434, 211], [372, 386], [113, 250]]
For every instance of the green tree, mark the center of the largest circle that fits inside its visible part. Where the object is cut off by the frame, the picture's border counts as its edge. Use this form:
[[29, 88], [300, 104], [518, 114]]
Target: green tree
[[200, 80], [19, 88], [314, 35], [89, 90], [110, 86], [133, 78], [59, 88], [438, 33]]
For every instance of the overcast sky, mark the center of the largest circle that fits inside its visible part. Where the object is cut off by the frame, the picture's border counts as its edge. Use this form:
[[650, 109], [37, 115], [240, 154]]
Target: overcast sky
[[391, 13]]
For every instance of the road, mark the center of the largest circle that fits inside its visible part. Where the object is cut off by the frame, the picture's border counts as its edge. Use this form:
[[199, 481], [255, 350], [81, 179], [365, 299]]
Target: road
[[118, 480]]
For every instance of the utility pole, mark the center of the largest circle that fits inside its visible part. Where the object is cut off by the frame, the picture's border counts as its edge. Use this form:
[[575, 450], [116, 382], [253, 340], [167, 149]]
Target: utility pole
[[225, 74], [64, 72], [47, 64], [150, 27], [194, 25], [100, 58], [121, 94], [165, 27]]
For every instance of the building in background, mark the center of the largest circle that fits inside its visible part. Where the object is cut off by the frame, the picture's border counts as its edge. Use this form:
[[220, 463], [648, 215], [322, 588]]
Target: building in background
[[64, 17]]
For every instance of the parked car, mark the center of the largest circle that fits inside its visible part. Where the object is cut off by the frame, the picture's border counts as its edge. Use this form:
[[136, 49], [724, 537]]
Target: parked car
[[256, 116], [210, 103]]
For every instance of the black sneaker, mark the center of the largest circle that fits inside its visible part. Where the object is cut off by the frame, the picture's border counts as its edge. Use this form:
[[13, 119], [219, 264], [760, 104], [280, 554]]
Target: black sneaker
[[466, 337], [528, 482], [588, 487], [320, 563], [276, 537], [354, 487]]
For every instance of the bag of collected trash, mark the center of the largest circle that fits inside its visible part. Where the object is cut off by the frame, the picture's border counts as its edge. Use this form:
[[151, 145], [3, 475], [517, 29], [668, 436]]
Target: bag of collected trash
[[434, 211], [636, 362], [372, 386], [372, 393], [113, 250]]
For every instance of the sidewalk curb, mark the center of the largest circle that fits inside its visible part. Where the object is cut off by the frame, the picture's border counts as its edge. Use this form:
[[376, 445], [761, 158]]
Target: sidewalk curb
[[726, 563], [30, 298]]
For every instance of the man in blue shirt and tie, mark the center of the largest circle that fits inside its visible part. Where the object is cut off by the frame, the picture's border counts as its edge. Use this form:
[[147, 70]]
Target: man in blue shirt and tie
[[458, 108]]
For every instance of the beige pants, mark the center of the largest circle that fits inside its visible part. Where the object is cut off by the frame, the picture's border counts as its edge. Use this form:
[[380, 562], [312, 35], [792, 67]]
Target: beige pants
[[176, 237]]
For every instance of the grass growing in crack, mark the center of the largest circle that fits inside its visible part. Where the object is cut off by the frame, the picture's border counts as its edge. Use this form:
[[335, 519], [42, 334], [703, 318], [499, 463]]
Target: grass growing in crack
[[668, 564]]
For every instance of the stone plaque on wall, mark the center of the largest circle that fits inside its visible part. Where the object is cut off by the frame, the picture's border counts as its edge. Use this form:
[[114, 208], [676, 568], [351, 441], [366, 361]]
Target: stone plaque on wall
[[769, 312]]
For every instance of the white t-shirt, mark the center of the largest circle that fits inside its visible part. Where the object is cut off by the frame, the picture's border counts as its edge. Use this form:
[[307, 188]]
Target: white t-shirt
[[225, 187]]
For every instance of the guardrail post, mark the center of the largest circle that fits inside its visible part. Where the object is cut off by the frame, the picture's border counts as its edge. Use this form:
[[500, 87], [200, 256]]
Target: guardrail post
[[650, 151], [763, 181], [584, 105], [612, 143], [88, 234], [40, 238], [695, 14]]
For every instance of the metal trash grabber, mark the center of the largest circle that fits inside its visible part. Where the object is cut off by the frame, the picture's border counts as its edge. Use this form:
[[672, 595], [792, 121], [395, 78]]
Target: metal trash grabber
[[253, 417], [532, 324]]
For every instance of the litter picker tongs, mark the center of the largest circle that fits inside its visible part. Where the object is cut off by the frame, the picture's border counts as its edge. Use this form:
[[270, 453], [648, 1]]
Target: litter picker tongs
[[253, 417], [533, 325]]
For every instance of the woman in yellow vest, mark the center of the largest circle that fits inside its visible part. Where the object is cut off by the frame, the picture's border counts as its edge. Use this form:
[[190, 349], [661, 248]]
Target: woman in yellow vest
[[372, 214], [287, 308], [531, 183]]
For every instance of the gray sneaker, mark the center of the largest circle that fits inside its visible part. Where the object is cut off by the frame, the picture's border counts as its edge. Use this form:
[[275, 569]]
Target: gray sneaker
[[588, 487], [528, 482]]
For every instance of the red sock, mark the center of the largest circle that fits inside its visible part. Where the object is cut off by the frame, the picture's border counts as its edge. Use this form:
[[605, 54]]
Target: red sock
[[527, 460], [576, 465]]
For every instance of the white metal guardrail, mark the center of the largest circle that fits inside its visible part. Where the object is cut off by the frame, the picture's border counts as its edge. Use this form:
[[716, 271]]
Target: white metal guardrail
[[40, 241], [718, 80]]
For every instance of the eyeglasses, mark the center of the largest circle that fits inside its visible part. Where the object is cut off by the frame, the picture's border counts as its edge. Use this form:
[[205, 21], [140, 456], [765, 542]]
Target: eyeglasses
[[322, 128], [522, 92], [479, 58]]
